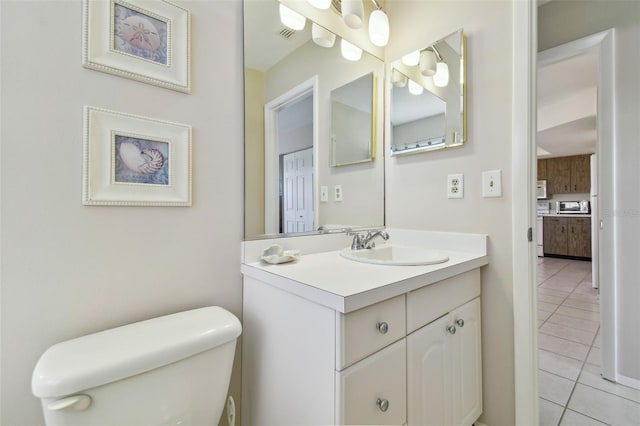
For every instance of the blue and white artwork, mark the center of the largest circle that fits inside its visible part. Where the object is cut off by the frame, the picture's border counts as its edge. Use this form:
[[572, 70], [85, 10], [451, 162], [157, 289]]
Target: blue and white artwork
[[141, 161], [140, 35]]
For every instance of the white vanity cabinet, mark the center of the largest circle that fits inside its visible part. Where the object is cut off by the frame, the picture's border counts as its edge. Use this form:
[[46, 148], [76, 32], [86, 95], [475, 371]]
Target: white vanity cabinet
[[391, 362]]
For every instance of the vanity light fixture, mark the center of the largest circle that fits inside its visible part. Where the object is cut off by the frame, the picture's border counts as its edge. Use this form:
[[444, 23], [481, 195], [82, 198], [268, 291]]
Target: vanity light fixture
[[428, 62], [321, 36], [349, 51], [320, 4], [378, 26], [398, 79], [415, 88], [441, 77], [352, 13], [411, 59], [291, 19]]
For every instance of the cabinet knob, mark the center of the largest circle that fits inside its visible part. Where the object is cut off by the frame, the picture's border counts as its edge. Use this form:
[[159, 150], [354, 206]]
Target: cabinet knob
[[451, 329], [460, 322], [383, 404], [382, 327]]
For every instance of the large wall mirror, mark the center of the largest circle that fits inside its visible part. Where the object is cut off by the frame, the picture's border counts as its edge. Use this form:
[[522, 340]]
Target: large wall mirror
[[428, 97], [294, 81]]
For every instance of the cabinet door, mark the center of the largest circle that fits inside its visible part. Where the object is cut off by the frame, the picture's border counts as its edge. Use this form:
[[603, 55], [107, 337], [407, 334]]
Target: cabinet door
[[542, 169], [580, 174], [579, 243], [467, 364], [555, 235], [559, 175], [373, 391], [429, 380]]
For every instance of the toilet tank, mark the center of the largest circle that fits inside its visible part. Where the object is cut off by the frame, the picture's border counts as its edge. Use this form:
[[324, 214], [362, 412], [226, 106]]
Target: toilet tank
[[170, 370]]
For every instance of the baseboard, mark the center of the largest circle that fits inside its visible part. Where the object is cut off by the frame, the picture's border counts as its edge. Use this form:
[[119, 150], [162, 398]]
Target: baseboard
[[628, 381]]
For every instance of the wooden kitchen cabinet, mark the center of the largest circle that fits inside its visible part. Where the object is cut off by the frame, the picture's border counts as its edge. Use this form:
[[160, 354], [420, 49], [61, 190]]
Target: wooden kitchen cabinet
[[579, 236], [567, 236], [542, 169], [566, 175]]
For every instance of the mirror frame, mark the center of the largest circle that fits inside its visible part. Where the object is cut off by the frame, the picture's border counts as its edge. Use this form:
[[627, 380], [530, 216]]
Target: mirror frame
[[451, 140]]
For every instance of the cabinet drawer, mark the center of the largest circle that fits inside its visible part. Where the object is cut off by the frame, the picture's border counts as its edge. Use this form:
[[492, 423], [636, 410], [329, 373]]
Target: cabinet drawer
[[431, 302], [362, 332], [373, 391]]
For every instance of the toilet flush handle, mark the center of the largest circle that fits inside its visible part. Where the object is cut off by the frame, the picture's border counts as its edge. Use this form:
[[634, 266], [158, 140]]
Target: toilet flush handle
[[78, 402]]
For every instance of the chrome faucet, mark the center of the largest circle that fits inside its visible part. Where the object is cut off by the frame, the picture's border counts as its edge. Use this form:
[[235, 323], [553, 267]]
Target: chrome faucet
[[366, 241]]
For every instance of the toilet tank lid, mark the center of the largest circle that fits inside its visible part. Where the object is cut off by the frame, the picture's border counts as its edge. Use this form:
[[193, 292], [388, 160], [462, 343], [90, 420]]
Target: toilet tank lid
[[114, 354]]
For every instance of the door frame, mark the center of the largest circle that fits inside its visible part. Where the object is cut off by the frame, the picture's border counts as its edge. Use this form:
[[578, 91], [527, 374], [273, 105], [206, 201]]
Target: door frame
[[271, 145]]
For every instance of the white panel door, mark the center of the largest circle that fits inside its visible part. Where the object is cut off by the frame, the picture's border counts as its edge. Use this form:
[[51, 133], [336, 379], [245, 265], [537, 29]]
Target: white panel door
[[298, 191], [467, 363], [429, 381]]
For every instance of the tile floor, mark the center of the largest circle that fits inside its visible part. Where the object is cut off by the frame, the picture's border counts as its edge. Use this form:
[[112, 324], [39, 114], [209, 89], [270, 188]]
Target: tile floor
[[570, 388]]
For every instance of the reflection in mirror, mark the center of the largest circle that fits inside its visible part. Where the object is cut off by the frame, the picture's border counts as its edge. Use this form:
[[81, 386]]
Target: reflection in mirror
[[428, 97], [352, 122], [289, 81]]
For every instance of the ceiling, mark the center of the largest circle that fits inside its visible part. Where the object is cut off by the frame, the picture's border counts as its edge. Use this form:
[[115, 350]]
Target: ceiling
[[567, 106]]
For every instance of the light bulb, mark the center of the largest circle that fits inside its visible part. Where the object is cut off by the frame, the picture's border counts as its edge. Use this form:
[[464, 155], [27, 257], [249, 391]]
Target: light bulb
[[415, 88], [291, 19], [353, 13], [379, 28], [411, 59], [349, 51], [428, 63], [320, 4], [398, 79], [441, 77], [321, 36]]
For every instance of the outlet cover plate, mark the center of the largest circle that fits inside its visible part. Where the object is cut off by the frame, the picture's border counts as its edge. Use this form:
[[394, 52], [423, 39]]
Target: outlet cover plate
[[324, 194], [455, 186], [337, 193]]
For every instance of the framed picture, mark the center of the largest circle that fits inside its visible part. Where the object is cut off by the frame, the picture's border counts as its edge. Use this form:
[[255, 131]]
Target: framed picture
[[135, 161], [143, 40]]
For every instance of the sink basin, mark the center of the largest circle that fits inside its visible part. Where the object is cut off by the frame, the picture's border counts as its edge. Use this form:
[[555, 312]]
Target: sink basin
[[395, 255]]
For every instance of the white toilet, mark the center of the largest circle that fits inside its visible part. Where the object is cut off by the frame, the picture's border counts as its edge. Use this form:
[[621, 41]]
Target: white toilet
[[171, 370]]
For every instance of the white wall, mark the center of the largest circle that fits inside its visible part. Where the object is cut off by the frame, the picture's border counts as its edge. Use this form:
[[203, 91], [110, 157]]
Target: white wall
[[69, 269], [416, 185], [558, 25]]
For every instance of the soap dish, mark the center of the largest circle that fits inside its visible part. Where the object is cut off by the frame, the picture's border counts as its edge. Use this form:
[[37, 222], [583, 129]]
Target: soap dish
[[275, 254]]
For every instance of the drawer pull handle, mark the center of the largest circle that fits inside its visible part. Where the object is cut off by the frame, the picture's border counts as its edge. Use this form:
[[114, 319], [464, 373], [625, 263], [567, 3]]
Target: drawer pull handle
[[451, 329], [383, 404], [382, 327], [460, 322]]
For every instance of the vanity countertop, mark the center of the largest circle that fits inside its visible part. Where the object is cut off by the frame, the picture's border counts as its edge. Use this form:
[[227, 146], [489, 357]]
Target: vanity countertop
[[346, 285]]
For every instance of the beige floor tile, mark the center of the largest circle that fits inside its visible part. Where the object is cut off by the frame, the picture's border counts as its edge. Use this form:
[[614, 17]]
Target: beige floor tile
[[578, 313], [556, 284], [543, 315], [605, 407], [559, 365], [552, 292], [554, 388], [549, 307], [548, 298], [586, 288], [595, 356], [549, 413], [569, 333], [591, 376], [593, 307], [598, 341], [581, 297], [562, 347], [579, 323], [571, 418]]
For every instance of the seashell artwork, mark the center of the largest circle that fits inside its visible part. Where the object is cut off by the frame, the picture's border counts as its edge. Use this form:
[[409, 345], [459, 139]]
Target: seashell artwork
[[141, 160], [140, 34]]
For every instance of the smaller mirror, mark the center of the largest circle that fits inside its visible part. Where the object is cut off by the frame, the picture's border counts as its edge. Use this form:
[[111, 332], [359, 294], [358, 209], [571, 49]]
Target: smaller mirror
[[352, 122], [428, 97]]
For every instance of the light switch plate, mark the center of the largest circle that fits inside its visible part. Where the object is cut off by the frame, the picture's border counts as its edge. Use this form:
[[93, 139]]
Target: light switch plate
[[324, 194], [492, 183], [455, 186], [337, 193]]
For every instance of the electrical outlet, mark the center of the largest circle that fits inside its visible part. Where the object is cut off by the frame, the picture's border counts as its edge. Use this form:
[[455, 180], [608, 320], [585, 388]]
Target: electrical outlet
[[337, 193], [324, 194], [492, 183], [455, 186]]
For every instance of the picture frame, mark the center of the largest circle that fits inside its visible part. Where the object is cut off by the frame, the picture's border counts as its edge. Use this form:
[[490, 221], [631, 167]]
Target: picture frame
[[131, 160], [143, 40]]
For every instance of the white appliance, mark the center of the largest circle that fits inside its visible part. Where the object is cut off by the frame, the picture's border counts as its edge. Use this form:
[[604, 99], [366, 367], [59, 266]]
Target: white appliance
[[543, 209], [595, 221], [541, 189]]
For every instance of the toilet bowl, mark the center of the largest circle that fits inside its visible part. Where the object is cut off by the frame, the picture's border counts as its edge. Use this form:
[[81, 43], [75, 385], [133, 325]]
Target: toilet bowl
[[170, 370]]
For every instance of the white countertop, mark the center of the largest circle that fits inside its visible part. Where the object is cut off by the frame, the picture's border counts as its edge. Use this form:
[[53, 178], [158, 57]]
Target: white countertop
[[346, 285], [565, 215]]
